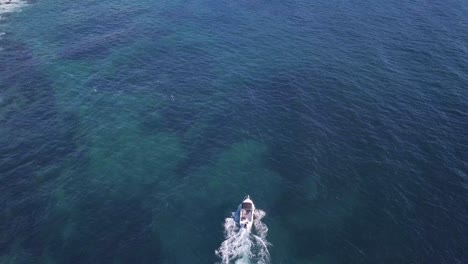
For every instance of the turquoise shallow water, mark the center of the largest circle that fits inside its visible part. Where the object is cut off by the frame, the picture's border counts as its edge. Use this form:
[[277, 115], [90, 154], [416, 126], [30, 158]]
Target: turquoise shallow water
[[130, 130]]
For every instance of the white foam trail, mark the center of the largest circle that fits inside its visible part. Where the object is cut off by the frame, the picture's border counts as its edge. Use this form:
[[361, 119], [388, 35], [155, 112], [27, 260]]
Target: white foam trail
[[8, 6], [242, 247]]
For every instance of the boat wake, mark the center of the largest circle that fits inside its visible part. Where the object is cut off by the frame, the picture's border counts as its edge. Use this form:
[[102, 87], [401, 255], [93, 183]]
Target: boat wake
[[242, 246], [9, 6]]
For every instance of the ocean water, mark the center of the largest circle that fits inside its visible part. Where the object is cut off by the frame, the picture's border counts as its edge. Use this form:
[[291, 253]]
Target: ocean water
[[130, 130]]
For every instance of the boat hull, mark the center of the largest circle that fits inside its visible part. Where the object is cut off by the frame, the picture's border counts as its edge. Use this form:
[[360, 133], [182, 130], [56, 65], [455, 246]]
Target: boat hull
[[246, 214]]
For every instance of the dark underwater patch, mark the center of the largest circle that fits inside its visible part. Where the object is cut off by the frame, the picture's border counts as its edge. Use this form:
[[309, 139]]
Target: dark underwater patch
[[95, 45], [121, 228], [35, 135]]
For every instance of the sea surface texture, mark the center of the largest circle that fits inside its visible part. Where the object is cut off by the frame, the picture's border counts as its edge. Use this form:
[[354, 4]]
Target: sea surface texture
[[129, 130]]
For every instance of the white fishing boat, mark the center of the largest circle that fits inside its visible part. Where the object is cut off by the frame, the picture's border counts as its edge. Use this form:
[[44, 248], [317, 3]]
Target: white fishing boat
[[244, 216]]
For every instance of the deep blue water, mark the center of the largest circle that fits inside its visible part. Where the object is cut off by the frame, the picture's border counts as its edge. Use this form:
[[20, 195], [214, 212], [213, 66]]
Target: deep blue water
[[130, 129]]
